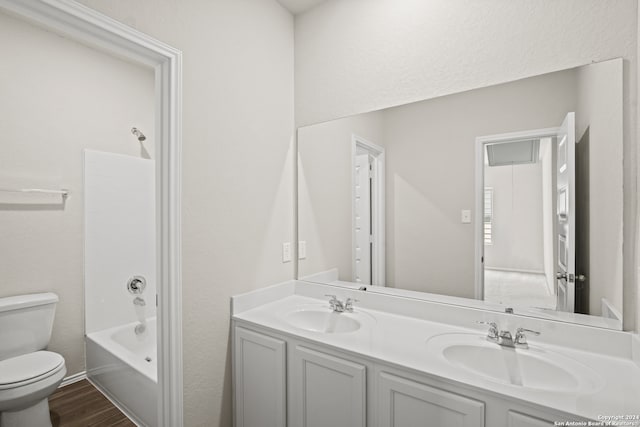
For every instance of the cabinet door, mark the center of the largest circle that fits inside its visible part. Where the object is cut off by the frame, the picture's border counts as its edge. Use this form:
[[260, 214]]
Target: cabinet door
[[406, 403], [260, 377], [327, 390], [516, 419]]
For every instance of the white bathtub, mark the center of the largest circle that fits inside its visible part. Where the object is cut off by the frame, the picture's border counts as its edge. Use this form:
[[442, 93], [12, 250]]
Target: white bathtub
[[123, 365]]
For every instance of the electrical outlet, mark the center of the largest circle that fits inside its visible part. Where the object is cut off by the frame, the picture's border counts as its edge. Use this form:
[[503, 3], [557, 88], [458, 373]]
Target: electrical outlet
[[466, 216], [286, 252], [302, 249]]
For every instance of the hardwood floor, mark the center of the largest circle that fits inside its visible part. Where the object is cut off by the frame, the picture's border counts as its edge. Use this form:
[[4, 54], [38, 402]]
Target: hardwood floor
[[82, 405]]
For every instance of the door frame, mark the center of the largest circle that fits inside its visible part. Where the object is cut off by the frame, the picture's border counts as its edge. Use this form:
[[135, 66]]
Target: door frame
[[481, 142], [87, 26], [377, 207]]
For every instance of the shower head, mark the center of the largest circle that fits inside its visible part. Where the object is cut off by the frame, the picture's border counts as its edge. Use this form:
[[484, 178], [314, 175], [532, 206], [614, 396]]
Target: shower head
[[138, 134]]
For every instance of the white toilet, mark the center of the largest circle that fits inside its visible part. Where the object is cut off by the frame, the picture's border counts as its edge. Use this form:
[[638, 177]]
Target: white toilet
[[28, 374]]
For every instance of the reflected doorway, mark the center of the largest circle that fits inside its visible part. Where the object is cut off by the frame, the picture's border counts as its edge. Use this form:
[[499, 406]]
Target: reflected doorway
[[367, 212], [527, 221]]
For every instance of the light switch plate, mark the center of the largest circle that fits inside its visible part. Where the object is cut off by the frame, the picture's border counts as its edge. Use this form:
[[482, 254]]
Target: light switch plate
[[302, 249], [286, 252], [466, 216]]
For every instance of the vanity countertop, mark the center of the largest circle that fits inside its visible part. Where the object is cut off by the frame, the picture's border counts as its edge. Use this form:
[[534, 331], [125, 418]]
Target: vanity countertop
[[402, 341]]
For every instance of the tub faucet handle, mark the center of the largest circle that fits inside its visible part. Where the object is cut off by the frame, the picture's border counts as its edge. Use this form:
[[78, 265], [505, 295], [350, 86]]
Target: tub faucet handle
[[136, 285]]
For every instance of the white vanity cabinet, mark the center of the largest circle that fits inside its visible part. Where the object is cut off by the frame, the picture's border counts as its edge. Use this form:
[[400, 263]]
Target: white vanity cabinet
[[282, 380], [405, 398], [406, 403], [517, 419], [326, 390], [260, 379]]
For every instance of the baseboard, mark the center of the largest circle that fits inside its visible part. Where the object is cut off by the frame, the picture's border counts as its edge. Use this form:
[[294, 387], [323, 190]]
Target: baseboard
[[514, 270], [74, 378]]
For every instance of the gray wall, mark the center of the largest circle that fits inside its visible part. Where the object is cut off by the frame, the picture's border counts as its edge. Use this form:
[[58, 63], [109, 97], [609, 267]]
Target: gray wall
[[600, 111]]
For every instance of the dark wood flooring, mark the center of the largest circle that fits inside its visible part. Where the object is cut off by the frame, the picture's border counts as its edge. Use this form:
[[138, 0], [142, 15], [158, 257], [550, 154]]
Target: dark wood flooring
[[82, 405]]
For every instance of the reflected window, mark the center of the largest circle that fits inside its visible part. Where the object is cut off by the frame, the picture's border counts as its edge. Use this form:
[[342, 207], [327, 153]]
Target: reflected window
[[488, 215]]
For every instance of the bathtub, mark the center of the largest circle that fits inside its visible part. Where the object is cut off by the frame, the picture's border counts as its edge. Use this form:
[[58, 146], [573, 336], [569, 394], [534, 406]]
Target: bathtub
[[123, 365]]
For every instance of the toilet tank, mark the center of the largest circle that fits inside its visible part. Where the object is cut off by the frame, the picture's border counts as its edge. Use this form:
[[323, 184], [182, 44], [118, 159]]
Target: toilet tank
[[26, 322]]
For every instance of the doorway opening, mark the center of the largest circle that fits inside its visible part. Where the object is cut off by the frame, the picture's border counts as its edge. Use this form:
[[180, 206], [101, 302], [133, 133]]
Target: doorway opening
[[525, 221], [367, 212]]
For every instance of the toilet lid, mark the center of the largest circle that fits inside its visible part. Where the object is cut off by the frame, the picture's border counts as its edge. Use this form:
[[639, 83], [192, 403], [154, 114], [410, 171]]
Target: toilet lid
[[28, 367]]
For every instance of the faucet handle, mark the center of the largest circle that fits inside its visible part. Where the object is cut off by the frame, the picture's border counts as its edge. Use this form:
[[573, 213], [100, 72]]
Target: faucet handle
[[521, 338], [348, 304], [333, 302], [492, 335]]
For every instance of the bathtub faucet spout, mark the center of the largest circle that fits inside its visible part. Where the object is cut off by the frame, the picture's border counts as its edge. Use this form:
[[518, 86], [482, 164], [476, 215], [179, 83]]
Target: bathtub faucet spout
[[139, 302]]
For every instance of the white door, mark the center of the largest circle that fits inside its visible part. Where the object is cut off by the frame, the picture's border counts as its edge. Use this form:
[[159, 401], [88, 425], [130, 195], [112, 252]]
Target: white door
[[362, 219], [566, 221]]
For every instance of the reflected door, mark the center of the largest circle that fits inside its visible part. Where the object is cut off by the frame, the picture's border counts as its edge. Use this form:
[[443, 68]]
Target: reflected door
[[566, 223], [362, 219]]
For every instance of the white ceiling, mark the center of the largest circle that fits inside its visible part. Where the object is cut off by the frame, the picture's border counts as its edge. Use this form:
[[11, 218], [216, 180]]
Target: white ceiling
[[299, 6]]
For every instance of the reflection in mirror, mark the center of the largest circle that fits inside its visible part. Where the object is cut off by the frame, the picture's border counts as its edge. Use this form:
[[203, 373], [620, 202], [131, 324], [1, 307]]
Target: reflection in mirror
[[504, 196]]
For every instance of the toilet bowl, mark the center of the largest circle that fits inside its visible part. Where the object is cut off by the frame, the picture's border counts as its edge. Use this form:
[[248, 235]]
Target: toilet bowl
[[25, 384], [28, 374]]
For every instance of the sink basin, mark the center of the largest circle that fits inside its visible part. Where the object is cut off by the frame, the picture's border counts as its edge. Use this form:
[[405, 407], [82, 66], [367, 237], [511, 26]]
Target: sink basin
[[323, 320], [533, 368]]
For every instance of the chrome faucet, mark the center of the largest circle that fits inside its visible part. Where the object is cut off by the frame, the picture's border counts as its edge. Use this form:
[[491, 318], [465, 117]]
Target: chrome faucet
[[139, 302], [340, 307], [504, 337], [335, 304]]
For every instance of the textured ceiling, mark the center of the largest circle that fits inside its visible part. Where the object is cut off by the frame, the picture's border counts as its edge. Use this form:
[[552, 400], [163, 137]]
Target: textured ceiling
[[299, 6]]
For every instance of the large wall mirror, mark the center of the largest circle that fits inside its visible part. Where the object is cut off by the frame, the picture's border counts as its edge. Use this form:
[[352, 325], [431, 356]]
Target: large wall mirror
[[508, 196]]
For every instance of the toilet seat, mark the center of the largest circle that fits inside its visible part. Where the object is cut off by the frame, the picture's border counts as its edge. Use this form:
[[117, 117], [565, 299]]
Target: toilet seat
[[29, 368]]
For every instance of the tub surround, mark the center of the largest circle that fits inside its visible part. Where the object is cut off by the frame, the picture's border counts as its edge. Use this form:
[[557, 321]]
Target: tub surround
[[401, 328]]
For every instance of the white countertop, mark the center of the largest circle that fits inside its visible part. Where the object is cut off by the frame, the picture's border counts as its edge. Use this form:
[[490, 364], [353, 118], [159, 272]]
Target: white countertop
[[402, 341]]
